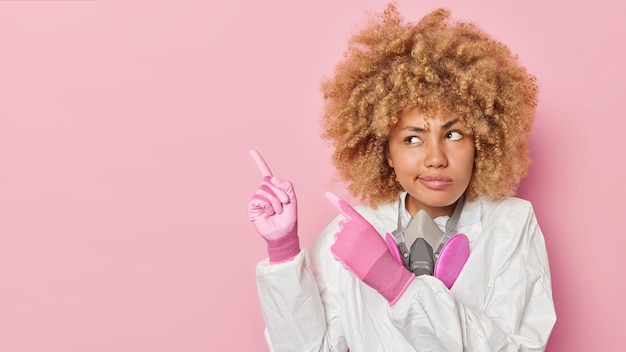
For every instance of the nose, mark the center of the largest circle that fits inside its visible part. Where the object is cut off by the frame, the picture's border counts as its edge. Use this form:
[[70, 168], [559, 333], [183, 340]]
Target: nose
[[435, 155]]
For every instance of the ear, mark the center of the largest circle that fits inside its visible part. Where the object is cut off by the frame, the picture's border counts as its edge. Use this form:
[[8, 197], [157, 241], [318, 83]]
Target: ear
[[388, 157]]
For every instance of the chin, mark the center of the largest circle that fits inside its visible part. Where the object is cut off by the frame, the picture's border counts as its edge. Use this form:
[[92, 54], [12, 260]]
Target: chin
[[437, 200]]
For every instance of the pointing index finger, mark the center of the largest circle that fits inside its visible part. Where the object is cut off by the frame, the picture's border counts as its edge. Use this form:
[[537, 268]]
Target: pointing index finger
[[261, 164], [346, 209]]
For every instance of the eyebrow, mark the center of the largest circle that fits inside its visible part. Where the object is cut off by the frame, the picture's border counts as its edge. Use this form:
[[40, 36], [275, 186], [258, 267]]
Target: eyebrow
[[445, 126], [449, 124]]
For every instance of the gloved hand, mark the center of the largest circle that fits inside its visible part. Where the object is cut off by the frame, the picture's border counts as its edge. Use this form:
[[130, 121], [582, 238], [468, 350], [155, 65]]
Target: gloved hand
[[273, 212], [361, 249]]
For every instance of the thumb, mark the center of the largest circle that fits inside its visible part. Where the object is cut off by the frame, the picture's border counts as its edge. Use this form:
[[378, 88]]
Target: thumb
[[286, 187]]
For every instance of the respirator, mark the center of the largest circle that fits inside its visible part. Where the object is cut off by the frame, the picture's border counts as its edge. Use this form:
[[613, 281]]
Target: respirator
[[426, 250]]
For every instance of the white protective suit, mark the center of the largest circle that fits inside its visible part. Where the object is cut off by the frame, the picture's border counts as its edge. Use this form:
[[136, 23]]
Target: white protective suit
[[501, 301]]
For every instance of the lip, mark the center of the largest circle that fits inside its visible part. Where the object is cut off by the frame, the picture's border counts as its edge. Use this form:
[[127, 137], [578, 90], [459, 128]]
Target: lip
[[435, 182]]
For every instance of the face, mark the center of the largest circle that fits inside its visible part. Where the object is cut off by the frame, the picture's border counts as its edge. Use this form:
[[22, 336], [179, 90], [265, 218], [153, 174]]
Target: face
[[433, 160]]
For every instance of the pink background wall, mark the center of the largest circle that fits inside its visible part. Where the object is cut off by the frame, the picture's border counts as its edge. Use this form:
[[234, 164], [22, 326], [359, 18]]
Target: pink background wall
[[124, 170]]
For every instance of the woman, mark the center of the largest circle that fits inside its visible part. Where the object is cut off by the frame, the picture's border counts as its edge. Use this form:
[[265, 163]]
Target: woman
[[429, 125]]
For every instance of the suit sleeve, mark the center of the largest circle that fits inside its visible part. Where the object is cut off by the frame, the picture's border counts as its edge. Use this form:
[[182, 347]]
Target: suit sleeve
[[300, 311]]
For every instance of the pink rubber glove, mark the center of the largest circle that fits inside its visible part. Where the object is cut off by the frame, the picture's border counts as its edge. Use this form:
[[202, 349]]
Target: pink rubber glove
[[361, 249], [273, 212]]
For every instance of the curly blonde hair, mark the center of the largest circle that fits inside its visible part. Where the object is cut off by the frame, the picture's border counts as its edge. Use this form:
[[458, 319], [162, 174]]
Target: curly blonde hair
[[437, 66]]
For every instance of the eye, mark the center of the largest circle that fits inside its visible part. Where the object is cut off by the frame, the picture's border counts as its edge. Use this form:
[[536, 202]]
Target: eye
[[454, 135], [412, 140]]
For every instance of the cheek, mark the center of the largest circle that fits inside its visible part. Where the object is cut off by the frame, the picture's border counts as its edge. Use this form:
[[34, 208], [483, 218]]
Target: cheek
[[405, 163], [464, 159], [469, 163]]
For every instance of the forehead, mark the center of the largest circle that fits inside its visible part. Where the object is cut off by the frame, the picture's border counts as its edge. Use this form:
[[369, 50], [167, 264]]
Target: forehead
[[418, 118]]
